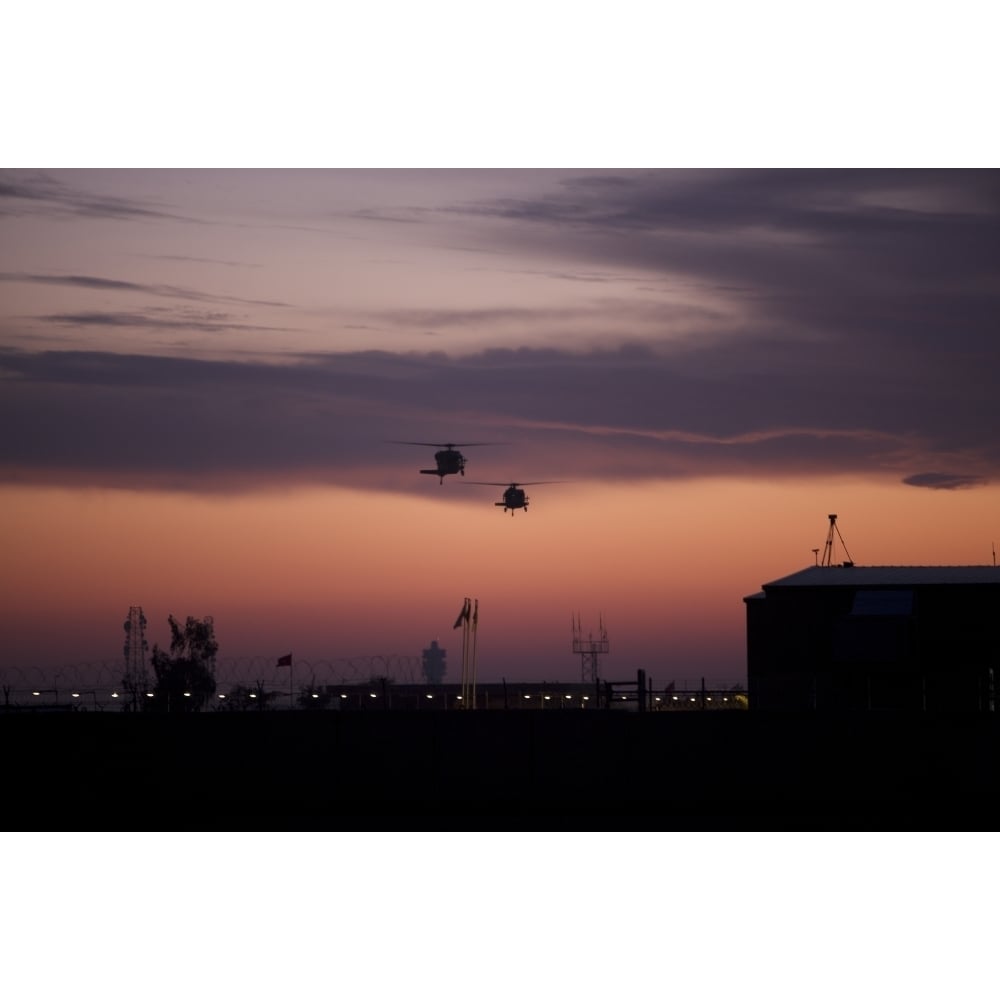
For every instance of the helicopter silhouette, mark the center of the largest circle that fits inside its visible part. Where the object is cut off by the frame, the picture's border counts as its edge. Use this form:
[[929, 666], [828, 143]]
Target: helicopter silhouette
[[514, 497], [448, 460]]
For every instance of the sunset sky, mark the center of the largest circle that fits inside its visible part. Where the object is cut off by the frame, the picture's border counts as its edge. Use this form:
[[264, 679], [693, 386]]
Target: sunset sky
[[202, 372], [205, 374]]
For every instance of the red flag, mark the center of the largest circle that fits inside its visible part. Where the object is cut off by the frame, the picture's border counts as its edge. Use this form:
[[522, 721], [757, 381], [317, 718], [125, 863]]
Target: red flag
[[463, 615], [285, 661], [475, 614]]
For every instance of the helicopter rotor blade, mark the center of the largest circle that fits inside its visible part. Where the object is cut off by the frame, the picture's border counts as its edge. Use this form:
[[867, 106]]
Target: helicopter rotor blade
[[449, 444], [515, 485]]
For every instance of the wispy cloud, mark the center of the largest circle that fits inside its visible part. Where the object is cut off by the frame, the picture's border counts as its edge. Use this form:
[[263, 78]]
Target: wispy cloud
[[115, 285], [944, 481], [188, 258], [180, 320], [40, 192]]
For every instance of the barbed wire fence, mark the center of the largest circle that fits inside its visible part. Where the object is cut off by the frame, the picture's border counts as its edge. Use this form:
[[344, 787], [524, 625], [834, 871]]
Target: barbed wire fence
[[101, 685], [259, 682]]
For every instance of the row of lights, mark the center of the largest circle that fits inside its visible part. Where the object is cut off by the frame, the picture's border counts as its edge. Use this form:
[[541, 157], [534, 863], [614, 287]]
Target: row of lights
[[115, 694], [372, 694], [187, 694]]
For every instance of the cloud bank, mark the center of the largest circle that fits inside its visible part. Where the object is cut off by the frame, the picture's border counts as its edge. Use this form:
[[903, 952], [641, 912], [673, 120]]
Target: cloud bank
[[628, 324]]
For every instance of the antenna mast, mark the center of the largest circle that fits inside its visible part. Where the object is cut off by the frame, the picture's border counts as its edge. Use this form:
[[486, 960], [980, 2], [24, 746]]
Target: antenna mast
[[589, 649], [135, 650], [828, 550]]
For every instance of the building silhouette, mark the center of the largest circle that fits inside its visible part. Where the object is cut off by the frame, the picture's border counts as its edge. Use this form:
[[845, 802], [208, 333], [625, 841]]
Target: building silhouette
[[432, 665], [911, 638]]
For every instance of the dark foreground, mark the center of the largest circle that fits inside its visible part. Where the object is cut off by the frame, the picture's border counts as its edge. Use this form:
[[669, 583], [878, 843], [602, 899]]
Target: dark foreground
[[498, 770]]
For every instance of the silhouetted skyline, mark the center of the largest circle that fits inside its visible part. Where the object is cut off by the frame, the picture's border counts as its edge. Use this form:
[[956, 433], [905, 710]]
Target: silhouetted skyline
[[199, 372], [209, 373]]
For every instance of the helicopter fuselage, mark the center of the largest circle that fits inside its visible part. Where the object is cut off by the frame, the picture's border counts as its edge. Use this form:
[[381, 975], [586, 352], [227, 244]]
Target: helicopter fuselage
[[514, 498], [449, 462]]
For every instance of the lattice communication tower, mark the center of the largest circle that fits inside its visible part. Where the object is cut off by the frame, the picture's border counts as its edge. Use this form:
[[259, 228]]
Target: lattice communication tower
[[589, 649], [135, 650]]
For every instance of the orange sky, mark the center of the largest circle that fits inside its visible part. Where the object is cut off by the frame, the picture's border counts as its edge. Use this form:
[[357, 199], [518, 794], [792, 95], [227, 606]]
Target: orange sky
[[218, 388], [333, 573], [860, 291]]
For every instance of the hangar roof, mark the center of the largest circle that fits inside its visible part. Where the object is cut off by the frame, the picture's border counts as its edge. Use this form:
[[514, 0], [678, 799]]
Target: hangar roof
[[888, 576]]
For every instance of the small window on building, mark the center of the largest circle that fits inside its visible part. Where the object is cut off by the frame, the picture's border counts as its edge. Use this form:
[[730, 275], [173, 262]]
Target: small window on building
[[883, 602]]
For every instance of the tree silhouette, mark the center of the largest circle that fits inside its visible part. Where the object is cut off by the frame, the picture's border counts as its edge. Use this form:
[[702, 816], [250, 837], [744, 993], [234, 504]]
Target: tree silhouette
[[185, 677]]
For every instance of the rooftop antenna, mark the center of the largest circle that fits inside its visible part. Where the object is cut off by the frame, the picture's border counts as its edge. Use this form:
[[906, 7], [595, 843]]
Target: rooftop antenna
[[828, 550]]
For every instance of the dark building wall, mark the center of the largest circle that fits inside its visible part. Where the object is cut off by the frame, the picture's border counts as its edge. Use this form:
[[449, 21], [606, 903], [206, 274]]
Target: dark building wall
[[919, 647]]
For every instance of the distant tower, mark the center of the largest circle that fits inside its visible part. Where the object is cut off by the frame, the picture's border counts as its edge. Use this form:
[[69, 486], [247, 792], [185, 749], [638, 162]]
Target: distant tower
[[432, 665], [136, 647], [589, 649]]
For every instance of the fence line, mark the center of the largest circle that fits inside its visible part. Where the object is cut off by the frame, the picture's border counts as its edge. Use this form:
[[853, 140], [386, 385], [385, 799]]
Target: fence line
[[258, 682], [106, 676]]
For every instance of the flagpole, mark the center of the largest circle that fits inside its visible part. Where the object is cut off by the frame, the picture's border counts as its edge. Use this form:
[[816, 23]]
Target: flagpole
[[463, 620], [465, 655], [475, 630]]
